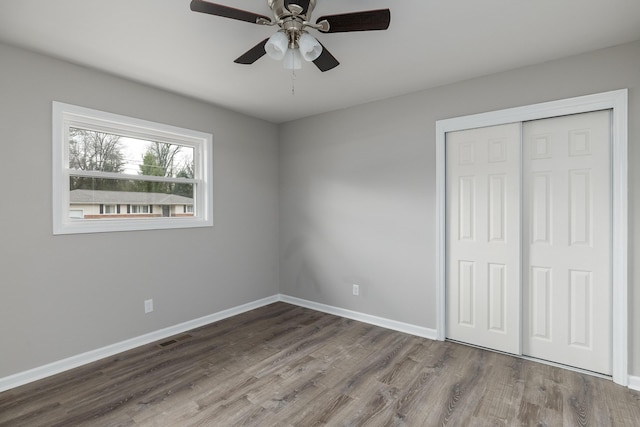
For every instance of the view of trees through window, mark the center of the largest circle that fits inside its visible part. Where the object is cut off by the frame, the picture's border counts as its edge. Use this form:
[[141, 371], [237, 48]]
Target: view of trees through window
[[112, 155], [104, 152]]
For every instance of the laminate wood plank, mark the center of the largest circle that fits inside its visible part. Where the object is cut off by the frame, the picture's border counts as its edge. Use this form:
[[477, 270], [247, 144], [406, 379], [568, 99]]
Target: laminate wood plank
[[304, 343], [286, 366], [621, 408], [343, 361], [415, 399], [390, 348], [294, 392], [465, 389], [404, 370], [49, 390], [375, 407], [501, 397], [324, 410]]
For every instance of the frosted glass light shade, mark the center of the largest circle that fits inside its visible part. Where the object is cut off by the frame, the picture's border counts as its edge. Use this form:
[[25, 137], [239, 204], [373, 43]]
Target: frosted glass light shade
[[277, 45], [292, 59], [310, 48]]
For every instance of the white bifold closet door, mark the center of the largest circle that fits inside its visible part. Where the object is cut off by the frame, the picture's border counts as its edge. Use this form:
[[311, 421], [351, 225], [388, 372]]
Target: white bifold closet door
[[528, 239]]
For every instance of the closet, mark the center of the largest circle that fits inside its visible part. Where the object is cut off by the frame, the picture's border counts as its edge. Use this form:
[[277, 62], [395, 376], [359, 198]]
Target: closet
[[528, 238]]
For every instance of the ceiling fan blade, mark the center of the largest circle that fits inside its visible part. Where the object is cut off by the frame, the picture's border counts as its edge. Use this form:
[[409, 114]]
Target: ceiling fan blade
[[253, 54], [326, 61], [358, 21], [225, 11]]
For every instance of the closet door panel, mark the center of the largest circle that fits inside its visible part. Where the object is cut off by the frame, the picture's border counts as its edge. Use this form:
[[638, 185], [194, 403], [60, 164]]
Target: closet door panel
[[483, 237], [566, 241]]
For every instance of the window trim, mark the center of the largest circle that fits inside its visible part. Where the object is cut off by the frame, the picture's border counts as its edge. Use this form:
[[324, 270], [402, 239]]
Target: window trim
[[65, 116]]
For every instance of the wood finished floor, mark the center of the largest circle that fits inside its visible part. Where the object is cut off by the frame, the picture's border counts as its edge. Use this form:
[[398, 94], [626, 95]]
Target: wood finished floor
[[283, 365]]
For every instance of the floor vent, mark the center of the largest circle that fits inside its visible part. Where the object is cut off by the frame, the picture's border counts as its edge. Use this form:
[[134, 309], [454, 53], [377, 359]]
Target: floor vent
[[174, 340]]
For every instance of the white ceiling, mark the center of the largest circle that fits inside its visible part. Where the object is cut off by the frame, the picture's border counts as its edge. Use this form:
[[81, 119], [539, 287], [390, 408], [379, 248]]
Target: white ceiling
[[429, 43]]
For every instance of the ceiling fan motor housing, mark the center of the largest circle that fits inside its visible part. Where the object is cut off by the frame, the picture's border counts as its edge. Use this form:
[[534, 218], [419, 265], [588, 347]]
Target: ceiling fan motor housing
[[282, 8], [292, 27]]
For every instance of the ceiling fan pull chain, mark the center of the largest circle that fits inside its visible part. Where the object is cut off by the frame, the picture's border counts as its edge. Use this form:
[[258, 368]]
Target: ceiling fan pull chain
[[293, 82]]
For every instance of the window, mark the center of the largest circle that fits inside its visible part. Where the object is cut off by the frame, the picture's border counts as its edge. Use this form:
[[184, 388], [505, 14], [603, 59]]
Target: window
[[109, 209], [116, 173], [139, 209]]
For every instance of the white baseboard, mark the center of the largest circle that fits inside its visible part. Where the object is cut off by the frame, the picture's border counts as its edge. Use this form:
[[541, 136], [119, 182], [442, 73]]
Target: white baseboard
[[76, 361], [54, 368], [362, 317]]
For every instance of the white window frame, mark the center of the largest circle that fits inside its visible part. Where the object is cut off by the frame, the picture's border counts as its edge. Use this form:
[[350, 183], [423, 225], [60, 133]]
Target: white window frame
[[66, 116]]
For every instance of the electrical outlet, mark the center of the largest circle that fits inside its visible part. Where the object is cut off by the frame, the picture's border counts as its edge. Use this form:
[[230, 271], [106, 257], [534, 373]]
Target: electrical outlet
[[356, 290], [148, 306]]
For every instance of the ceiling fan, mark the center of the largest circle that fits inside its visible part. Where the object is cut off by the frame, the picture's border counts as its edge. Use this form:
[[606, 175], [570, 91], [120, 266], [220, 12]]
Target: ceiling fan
[[292, 42]]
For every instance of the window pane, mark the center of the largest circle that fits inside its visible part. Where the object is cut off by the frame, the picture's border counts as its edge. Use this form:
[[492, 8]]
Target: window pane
[[99, 198], [139, 209], [99, 151]]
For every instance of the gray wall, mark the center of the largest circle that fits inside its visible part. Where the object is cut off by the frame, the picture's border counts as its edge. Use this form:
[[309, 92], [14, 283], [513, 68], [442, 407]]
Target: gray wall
[[357, 186], [65, 295]]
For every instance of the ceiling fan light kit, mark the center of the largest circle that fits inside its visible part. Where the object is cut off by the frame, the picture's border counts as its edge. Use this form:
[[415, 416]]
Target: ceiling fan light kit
[[280, 46], [292, 42]]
